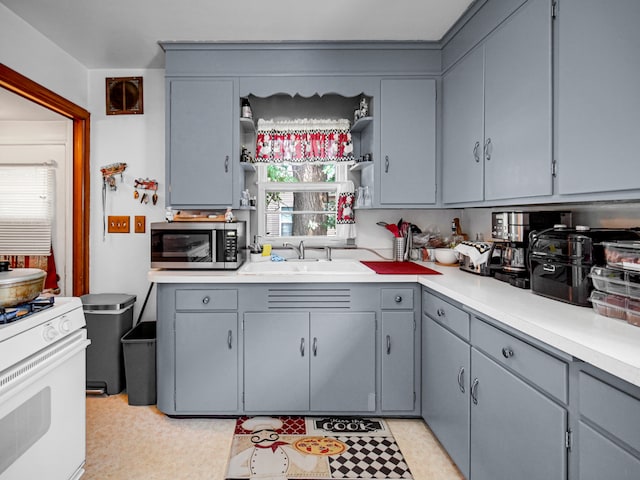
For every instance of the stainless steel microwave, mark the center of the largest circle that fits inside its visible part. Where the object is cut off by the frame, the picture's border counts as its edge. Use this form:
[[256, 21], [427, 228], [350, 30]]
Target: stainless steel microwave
[[198, 245]]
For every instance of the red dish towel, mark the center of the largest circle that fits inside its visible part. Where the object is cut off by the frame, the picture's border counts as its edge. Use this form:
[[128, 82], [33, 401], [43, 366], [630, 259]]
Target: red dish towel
[[399, 268]]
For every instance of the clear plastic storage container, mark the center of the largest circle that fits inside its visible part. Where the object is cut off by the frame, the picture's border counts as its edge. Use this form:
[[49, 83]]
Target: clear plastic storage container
[[620, 282], [609, 305], [624, 255]]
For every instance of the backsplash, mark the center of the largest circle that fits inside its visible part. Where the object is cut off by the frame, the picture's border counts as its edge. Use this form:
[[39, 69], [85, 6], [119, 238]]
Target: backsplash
[[477, 221]]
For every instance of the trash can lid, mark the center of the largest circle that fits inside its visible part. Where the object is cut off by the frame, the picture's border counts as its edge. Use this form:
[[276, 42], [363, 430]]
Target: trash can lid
[[107, 301]]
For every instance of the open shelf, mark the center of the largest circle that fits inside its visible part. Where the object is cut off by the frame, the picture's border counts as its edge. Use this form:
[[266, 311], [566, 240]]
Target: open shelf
[[361, 124], [360, 166]]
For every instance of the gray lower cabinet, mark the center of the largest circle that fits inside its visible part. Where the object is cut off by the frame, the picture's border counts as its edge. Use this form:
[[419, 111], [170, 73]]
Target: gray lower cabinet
[[516, 431], [398, 359], [446, 366], [200, 139], [206, 362], [609, 427], [408, 142], [309, 361], [496, 403], [198, 357], [400, 351], [598, 96]]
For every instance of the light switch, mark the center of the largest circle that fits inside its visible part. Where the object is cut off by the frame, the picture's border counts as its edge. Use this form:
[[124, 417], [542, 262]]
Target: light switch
[[140, 224]]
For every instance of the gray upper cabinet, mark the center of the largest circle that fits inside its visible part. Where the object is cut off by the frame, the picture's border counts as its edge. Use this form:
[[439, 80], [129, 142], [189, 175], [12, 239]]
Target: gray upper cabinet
[[497, 120], [408, 142], [463, 130], [200, 132], [598, 96]]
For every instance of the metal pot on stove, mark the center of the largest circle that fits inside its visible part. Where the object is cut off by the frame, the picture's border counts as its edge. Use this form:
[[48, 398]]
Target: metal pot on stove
[[19, 285]]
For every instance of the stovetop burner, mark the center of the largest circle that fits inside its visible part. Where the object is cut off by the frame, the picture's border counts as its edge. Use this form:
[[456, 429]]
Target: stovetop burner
[[12, 314]]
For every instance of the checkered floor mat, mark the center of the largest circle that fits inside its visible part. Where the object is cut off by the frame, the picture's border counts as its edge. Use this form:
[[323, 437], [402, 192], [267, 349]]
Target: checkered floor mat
[[309, 448]]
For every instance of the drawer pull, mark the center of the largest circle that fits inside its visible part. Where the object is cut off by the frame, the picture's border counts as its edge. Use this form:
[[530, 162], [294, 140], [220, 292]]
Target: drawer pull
[[507, 352], [474, 391], [302, 347], [388, 344], [315, 347], [461, 379], [440, 312], [549, 268], [398, 299], [206, 300], [230, 339]]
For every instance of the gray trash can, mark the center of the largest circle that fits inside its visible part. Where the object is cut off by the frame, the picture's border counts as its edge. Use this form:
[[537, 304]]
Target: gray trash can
[[139, 345], [108, 317]]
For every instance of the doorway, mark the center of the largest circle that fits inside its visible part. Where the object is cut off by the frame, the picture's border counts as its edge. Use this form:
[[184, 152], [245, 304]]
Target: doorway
[[23, 86]]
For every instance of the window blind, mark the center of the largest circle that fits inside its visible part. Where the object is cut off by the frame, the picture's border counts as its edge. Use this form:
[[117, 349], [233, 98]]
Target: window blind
[[27, 197]]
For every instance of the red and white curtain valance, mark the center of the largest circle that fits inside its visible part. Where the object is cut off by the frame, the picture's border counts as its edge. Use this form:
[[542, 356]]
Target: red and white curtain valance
[[304, 140]]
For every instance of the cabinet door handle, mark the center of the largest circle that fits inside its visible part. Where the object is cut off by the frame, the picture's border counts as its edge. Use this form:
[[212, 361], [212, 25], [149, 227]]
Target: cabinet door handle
[[487, 149], [476, 152], [388, 344], [230, 339], [206, 300], [302, 347], [398, 299], [386, 164], [315, 347], [474, 391], [461, 379], [507, 352], [226, 164], [440, 312]]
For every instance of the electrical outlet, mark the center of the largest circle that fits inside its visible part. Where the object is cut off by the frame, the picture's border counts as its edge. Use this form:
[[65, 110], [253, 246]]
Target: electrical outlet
[[139, 224], [118, 224]]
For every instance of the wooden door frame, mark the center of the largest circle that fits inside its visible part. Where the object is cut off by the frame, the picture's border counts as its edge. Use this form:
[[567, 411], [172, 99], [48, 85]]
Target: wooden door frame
[[21, 85]]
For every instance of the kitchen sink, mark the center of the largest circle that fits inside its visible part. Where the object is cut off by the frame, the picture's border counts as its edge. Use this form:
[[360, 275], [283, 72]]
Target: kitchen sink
[[322, 267]]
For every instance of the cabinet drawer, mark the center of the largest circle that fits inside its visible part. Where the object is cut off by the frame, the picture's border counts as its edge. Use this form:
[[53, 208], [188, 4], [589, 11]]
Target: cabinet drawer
[[452, 317], [544, 370], [396, 298], [610, 408], [600, 458], [206, 299]]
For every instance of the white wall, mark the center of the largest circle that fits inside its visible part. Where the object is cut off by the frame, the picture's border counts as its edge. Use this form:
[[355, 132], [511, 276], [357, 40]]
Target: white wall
[[119, 262], [27, 51]]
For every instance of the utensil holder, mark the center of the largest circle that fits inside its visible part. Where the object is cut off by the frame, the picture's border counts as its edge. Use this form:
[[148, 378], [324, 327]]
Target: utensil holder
[[398, 249]]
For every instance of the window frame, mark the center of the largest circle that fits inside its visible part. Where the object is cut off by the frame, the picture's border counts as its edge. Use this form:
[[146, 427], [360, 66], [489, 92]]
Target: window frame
[[264, 186]]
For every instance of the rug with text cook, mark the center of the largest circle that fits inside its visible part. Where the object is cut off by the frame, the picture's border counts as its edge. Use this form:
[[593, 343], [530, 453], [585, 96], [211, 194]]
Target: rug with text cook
[[309, 448]]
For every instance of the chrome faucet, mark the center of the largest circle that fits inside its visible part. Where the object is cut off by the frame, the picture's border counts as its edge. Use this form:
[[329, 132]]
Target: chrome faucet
[[299, 249]]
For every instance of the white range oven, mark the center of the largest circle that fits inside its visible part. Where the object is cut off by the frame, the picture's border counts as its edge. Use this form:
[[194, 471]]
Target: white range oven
[[42, 390]]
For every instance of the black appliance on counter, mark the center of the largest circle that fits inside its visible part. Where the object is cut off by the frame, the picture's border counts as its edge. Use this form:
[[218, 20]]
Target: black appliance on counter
[[560, 260], [510, 234]]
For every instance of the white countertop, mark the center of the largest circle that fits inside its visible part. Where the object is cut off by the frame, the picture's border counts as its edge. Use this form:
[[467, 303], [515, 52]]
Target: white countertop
[[610, 344]]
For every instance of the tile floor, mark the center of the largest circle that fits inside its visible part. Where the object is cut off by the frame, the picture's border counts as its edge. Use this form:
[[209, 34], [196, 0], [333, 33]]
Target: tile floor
[[141, 443]]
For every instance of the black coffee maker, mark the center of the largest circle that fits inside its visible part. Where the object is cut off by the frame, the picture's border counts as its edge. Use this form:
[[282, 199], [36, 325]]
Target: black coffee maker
[[510, 234]]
